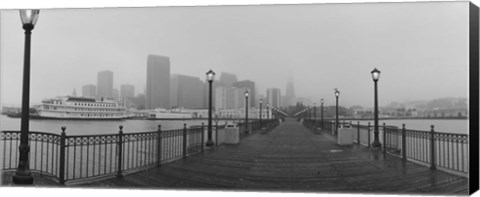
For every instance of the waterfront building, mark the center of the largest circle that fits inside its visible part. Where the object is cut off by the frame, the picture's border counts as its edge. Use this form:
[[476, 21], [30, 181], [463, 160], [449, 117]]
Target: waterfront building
[[186, 92], [227, 79], [274, 97], [158, 82], [105, 84], [127, 91], [250, 85], [89, 91]]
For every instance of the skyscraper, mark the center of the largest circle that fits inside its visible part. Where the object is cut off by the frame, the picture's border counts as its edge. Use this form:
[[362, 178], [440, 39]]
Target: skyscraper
[[127, 91], [227, 79], [158, 82], [89, 91], [274, 97], [250, 85], [105, 84], [186, 91]]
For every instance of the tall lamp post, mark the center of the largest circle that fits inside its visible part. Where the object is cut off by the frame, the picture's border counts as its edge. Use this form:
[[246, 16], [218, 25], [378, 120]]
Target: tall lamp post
[[261, 101], [246, 111], [314, 111], [337, 93], [321, 112], [23, 174], [375, 77], [210, 77]]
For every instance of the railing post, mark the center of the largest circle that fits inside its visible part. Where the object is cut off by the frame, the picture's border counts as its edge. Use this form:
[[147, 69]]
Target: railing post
[[202, 138], [216, 133], [432, 148], [159, 145], [61, 174], [120, 153], [358, 132], [384, 139], [184, 140], [404, 143], [368, 134]]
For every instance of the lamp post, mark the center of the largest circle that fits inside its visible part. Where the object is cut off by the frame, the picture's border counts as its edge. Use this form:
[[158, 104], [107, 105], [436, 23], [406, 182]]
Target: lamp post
[[210, 77], [23, 174], [337, 93], [261, 101], [321, 113], [375, 77], [246, 111], [314, 111]]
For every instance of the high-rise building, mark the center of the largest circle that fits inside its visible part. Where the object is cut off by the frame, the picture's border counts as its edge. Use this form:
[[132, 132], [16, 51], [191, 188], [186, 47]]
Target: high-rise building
[[89, 91], [158, 82], [274, 97], [116, 94], [105, 84], [127, 91], [227, 79], [230, 97], [187, 92], [290, 91], [250, 85]]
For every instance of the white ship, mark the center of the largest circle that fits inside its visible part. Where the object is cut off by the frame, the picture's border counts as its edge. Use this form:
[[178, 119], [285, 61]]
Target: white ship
[[71, 107], [169, 114]]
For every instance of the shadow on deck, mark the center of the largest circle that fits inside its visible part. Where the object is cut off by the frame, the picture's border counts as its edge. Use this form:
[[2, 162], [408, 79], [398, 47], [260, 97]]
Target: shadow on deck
[[292, 158]]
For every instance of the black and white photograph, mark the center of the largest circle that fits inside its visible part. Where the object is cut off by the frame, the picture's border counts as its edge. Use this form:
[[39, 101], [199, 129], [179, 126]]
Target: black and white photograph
[[309, 98]]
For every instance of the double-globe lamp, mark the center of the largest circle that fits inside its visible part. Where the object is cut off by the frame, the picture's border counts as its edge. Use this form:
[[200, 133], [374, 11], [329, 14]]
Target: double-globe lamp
[[23, 175], [210, 78]]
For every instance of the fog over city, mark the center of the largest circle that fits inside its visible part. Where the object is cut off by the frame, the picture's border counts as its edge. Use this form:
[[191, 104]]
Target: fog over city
[[421, 49]]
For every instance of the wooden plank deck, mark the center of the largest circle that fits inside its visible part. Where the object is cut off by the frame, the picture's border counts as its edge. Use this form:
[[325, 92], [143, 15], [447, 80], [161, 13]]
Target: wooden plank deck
[[292, 158]]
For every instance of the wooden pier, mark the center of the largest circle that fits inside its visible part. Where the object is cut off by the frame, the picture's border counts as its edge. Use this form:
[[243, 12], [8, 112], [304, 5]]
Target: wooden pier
[[293, 158]]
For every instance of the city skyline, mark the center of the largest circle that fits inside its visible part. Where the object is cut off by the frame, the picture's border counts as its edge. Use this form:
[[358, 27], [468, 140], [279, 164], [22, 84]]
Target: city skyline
[[325, 47]]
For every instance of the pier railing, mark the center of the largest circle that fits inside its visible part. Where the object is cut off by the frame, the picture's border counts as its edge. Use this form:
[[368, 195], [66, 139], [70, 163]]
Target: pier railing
[[446, 151], [79, 158]]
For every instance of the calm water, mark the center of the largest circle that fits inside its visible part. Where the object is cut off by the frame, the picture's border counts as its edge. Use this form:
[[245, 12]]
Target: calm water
[[84, 127], [80, 127], [446, 126]]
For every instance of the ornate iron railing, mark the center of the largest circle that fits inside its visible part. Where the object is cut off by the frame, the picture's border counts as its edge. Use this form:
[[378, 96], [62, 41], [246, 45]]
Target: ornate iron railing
[[448, 151]]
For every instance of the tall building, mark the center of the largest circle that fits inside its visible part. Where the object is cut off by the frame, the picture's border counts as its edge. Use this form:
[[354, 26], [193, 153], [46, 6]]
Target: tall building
[[230, 98], [274, 97], [187, 92], [250, 85], [290, 91], [127, 91], [116, 94], [227, 79], [105, 84], [158, 82], [89, 91]]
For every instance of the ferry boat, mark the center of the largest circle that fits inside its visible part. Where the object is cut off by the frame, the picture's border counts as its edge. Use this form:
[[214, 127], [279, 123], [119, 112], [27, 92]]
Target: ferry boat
[[172, 114], [82, 108]]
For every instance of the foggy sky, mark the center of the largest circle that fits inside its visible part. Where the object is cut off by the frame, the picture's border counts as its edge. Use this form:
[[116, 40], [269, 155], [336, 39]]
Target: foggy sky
[[420, 48]]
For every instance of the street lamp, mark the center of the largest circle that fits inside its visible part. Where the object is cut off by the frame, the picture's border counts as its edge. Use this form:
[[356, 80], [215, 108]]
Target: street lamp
[[314, 111], [337, 93], [246, 111], [210, 77], [375, 77], [321, 113], [23, 174]]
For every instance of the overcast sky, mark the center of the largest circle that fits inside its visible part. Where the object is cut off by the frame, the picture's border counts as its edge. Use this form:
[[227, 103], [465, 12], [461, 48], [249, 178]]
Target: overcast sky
[[420, 48]]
